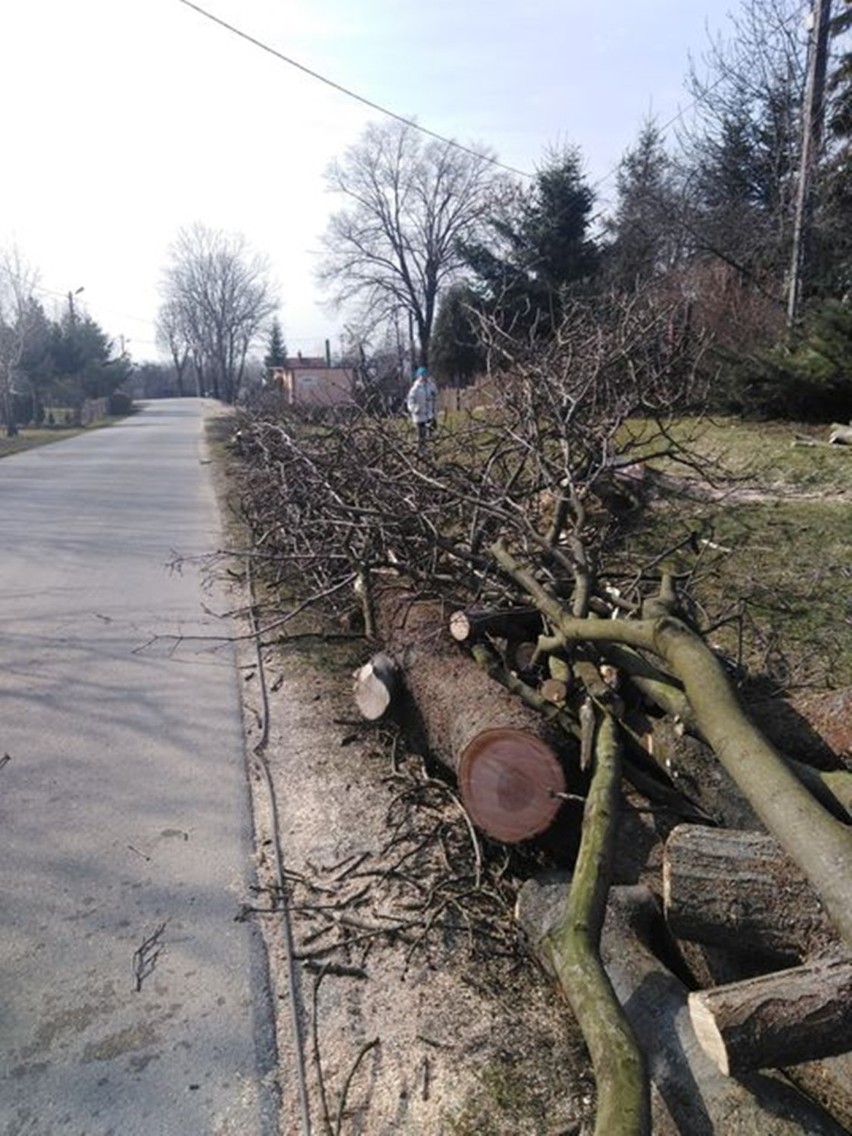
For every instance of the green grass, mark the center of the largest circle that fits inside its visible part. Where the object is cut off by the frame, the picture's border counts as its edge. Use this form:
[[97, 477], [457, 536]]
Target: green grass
[[766, 453], [771, 581]]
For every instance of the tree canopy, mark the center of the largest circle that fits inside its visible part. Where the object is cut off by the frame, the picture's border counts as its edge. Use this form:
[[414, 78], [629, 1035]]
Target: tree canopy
[[217, 298], [48, 363], [409, 203]]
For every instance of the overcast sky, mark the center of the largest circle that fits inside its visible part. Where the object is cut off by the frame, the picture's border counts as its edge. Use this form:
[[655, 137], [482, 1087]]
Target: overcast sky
[[124, 120]]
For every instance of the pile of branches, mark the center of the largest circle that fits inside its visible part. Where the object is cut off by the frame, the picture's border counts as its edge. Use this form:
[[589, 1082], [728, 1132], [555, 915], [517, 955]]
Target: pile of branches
[[547, 466], [526, 503]]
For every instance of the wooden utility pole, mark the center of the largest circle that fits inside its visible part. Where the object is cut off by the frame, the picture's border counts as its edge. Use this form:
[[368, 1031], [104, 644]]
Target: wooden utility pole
[[812, 119]]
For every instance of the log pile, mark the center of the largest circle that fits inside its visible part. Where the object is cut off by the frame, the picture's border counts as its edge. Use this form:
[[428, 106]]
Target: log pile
[[750, 892]]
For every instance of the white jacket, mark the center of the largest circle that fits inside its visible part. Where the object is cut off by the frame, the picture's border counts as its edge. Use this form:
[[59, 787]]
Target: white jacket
[[421, 400]]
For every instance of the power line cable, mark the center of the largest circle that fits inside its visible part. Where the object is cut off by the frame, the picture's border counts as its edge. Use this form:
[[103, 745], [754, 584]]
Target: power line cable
[[352, 94]]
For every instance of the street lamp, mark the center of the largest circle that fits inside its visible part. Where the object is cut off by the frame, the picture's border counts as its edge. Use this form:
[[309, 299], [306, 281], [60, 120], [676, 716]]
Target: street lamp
[[71, 295]]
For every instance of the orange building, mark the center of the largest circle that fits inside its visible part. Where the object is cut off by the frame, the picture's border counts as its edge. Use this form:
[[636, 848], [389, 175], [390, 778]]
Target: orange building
[[312, 382]]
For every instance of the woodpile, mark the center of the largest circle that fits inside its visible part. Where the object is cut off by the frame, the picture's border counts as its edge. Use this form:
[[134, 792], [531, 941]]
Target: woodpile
[[553, 667], [717, 979]]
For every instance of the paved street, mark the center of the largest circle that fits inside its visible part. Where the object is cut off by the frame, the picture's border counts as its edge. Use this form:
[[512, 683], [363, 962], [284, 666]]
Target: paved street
[[131, 1002]]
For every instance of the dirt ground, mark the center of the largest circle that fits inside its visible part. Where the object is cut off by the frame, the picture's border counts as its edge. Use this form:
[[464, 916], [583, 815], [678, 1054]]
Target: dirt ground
[[418, 1010], [406, 1001]]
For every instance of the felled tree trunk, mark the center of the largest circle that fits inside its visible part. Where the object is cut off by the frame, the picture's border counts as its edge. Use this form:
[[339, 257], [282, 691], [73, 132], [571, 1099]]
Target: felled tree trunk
[[816, 841], [572, 950], [800, 1014], [739, 889], [829, 1082], [690, 1096], [518, 624], [510, 764]]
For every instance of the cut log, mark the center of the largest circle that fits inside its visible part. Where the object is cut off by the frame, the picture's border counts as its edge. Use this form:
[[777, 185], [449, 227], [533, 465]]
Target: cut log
[[817, 841], [376, 686], [509, 762], [840, 435], [511, 782], [740, 890], [554, 690], [829, 1082], [516, 624], [800, 1014], [690, 1096]]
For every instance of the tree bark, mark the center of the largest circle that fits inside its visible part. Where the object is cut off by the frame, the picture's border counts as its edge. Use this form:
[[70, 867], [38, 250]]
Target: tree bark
[[800, 1014], [510, 763], [516, 624], [829, 1082], [831, 787], [739, 889], [689, 1094], [818, 843], [572, 949]]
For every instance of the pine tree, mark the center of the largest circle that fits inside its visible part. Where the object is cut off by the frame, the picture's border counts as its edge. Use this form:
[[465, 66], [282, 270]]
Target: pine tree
[[276, 355], [540, 249], [644, 238]]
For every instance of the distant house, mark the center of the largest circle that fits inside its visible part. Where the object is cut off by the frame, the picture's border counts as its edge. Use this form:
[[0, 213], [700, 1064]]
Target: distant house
[[312, 382]]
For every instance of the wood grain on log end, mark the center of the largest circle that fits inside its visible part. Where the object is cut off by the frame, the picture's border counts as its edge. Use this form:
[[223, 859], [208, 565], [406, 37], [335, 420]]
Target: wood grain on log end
[[511, 784], [375, 686], [709, 1037]]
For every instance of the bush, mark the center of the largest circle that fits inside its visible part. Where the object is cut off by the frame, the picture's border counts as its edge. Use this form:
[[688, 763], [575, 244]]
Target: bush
[[120, 404], [808, 378]]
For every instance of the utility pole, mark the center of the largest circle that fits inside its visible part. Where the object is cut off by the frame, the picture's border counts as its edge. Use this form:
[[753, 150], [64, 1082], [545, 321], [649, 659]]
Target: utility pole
[[812, 120], [72, 315]]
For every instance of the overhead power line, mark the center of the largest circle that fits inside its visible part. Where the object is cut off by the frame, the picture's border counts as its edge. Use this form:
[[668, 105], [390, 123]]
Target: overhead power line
[[349, 93]]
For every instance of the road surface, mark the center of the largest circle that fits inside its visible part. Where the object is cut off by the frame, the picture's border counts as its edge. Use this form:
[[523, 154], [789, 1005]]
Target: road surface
[[131, 1002]]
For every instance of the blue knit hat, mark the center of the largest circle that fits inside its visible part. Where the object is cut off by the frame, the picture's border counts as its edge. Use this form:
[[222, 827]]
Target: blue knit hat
[[421, 372]]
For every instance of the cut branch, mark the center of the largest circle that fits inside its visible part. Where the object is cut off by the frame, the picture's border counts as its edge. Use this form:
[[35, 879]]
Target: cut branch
[[572, 947], [817, 842]]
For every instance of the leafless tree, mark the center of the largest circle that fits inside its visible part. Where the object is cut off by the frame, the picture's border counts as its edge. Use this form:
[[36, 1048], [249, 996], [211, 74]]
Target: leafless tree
[[741, 145], [394, 246], [18, 317], [171, 334], [217, 299]]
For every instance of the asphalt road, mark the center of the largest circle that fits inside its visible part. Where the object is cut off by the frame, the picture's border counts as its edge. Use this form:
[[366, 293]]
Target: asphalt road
[[131, 1002]]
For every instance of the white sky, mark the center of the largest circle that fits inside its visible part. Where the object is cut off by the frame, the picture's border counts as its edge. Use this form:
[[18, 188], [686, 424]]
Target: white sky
[[123, 120]]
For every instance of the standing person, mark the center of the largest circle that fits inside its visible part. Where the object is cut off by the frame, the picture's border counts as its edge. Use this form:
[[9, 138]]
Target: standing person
[[421, 403]]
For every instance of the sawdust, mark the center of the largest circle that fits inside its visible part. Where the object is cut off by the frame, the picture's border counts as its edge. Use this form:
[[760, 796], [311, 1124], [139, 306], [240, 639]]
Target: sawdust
[[418, 1009]]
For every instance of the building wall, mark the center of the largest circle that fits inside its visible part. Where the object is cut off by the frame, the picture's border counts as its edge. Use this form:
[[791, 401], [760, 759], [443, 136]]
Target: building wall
[[312, 386]]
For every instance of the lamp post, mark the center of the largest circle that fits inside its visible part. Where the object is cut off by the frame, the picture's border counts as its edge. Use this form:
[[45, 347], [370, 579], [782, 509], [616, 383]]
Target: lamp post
[[72, 315]]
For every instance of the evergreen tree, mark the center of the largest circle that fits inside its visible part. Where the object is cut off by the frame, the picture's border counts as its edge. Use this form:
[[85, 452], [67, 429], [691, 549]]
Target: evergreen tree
[[832, 243], [644, 235], [455, 351], [540, 251], [276, 353], [83, 363], [741, 154]]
